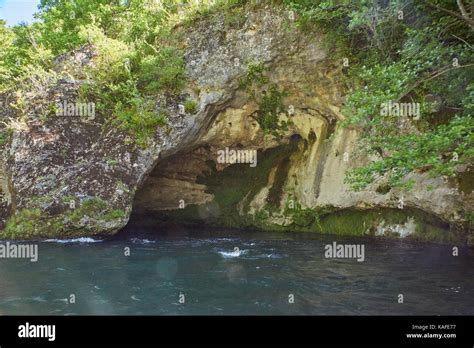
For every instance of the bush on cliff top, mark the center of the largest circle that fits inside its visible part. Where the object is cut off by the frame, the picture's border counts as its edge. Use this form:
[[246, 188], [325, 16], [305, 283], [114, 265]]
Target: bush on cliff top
[[402, 51]]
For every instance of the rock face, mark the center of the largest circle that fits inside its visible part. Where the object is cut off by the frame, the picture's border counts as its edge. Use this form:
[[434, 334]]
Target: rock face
[[68, 176]]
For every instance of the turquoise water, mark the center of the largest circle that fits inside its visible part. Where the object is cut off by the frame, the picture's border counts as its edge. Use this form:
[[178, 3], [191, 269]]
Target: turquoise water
[[260, 278]]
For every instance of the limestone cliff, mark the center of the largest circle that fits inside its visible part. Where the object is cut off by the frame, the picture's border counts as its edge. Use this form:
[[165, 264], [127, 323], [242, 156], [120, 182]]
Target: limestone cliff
[[67, 176]]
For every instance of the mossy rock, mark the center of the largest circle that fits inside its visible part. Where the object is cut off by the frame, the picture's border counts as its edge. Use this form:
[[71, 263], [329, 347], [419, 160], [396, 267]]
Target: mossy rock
[[34, 223]]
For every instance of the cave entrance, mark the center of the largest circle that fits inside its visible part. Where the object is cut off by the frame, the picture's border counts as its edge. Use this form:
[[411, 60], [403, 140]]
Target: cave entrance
[[193, 190]]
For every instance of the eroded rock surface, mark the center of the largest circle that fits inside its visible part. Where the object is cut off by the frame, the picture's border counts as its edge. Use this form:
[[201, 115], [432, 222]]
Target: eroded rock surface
[[76, 176]]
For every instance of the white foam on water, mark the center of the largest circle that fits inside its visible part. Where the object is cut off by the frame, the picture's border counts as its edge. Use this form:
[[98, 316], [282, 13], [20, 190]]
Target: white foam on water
[[75, 240], [61, 300], [142, 241], [266, 256], [39, 299], [230, 254]]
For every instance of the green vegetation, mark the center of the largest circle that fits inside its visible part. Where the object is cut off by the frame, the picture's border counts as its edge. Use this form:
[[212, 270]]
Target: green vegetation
[[24, 224], [356, 222], [254, 73], [190, 106], [139, 120], [269, 107], [268, 97], [399, 51], [34, 223], [390, 55], [138, 56], [402, 51], [302, 217], [231, 11], [94, 208]]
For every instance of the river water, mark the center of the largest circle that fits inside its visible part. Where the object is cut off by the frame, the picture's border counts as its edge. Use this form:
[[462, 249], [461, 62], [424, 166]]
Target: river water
[[201, 273]]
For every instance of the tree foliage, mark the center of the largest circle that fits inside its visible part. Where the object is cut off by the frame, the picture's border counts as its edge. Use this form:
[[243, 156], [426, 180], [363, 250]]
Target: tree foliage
[[406, 52]]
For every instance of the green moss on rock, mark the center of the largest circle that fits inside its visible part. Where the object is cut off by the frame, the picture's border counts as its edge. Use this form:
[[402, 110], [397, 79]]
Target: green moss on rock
[[35, 223]]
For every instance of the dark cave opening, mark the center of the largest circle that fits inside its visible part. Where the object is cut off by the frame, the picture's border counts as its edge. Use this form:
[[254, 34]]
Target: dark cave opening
[[189, 189]]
